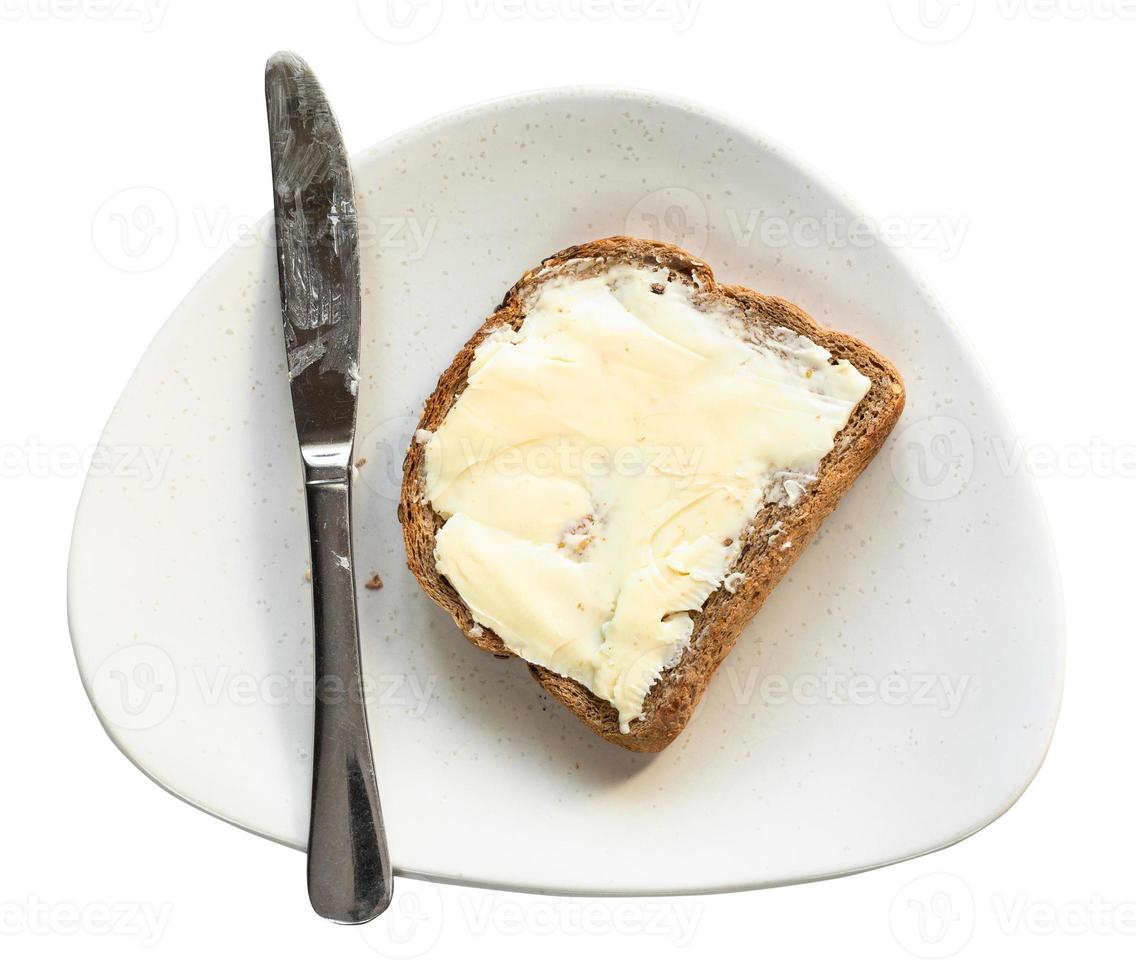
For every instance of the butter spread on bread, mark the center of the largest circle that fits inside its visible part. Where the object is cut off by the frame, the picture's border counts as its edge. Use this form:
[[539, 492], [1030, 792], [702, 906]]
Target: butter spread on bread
[[597, 473]]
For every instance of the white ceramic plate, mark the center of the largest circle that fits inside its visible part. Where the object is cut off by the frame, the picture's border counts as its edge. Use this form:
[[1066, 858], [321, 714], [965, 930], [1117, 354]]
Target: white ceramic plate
[[896, 694]]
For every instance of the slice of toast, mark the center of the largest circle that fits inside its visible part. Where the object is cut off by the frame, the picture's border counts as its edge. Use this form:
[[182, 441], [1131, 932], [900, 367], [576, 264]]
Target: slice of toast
[[769, 546]]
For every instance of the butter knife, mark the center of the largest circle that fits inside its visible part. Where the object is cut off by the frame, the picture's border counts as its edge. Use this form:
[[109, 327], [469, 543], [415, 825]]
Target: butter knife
[[317, 250]]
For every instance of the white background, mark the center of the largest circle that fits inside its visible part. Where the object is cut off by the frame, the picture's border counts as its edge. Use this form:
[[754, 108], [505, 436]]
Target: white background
[[1012, 121]]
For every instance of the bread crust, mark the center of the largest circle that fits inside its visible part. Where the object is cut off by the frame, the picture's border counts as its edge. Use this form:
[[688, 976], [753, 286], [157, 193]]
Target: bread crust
[[769, 546]]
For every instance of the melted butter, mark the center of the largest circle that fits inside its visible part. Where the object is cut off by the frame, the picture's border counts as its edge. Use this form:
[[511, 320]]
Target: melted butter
[[604, 461]]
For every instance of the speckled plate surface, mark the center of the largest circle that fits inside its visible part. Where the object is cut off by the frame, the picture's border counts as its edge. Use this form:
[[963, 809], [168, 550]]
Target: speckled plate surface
[[897, 693]]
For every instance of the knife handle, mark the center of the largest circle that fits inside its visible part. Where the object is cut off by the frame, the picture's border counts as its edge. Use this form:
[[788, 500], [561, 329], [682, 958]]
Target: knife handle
[[349, 871]]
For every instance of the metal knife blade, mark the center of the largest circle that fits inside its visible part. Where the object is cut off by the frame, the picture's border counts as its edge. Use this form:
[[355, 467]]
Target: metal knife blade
[[317, 249], [349, 870]]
